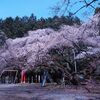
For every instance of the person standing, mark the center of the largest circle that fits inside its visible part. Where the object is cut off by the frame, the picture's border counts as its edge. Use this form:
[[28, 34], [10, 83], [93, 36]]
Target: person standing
[[23, 75]]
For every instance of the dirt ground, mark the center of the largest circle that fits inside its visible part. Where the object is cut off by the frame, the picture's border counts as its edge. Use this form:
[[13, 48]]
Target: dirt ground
[[49, 92]]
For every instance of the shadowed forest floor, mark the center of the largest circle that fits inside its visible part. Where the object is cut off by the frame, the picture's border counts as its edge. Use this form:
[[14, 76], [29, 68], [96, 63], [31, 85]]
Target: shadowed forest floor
[[49, 92]]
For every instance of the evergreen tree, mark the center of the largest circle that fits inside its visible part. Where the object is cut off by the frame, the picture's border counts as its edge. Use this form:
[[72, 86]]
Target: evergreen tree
[[18, 26]]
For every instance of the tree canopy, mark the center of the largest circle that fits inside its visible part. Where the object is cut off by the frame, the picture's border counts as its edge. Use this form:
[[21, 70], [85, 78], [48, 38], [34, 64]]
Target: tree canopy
[[18, 26]]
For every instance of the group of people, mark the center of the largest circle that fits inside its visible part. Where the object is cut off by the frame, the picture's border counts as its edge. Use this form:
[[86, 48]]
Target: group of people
[[45, 77], [25, 75]]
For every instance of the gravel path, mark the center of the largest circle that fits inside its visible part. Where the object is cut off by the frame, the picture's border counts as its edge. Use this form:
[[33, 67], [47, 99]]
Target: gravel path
[[50, 92]]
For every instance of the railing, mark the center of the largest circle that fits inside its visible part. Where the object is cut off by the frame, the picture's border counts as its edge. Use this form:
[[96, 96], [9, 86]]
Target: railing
[[6, 75]]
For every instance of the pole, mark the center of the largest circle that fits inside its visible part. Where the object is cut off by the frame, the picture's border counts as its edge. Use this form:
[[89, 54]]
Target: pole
[[75, 61]]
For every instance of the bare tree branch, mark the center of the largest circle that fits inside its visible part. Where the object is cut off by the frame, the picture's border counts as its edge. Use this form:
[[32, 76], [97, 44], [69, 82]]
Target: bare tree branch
[[68, 4]]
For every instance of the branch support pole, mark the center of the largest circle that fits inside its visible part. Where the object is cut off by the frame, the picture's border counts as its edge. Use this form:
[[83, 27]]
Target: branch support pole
[[75, 62]]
